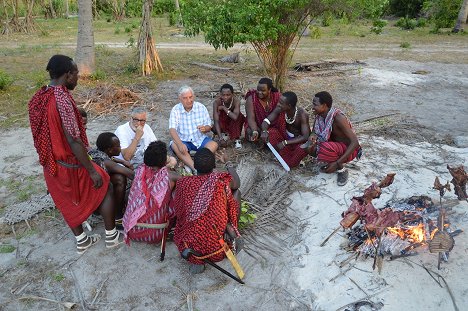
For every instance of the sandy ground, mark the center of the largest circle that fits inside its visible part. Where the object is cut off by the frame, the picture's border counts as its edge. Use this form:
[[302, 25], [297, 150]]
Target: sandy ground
[[291, 271]]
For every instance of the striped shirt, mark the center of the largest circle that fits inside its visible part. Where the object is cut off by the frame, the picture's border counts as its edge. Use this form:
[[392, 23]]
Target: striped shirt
[[186, 122]]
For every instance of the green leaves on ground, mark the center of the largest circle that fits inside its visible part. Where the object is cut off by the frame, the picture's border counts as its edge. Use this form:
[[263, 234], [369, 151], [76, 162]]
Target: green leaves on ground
[[246, 216]]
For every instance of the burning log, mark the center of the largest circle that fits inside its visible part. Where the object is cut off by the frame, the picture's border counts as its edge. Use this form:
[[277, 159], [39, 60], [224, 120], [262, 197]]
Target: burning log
[[459, 180]]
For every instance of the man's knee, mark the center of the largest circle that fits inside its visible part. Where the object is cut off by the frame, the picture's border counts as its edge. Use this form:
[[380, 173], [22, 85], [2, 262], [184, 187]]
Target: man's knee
[[212, 145], [119, 181]]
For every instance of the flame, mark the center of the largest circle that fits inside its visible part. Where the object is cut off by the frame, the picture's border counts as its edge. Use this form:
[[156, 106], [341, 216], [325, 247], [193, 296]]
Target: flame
[[414, 234]]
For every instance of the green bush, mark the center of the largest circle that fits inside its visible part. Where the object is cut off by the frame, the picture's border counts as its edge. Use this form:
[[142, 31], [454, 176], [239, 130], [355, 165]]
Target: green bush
[[128, 29], [117, 30], [442, 13], [327, 19], [315, 32], [5, 80], [246, 217], [98, 75], [378, 25], [407, 23], [421, 22], [405, 45]]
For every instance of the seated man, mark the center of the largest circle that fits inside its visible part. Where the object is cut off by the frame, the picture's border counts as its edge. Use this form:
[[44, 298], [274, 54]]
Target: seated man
[[334, 141], [189, 122], [259, 104], [206, 205], [135, 136], [227, 116], [291, 132], [148, 201], [108, 148]]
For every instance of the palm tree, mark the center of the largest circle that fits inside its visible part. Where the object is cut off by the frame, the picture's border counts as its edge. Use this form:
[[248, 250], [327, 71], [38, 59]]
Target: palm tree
[[85, 57]]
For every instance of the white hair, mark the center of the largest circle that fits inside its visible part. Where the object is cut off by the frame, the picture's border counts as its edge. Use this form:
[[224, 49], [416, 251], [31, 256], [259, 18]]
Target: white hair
[[185, 89], [138, 110]]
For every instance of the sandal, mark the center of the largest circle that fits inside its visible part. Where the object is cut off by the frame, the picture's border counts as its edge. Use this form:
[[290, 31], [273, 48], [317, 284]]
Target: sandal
[[113, 240], [85, 243]]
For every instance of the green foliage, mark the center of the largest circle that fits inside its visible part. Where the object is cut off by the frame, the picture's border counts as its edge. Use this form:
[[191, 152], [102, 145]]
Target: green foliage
[[59, 277], [405, 45], [327, 19], [421, 22], [270, 25], [408, 8], [98, 75], [163, 6], [315, 32], [246, 216], [131, 42], [373, 9], [442, 13], [128, 29], [117, 30], [133, 8], [378, 25], [6, 248], [407, 23], [5, 80]]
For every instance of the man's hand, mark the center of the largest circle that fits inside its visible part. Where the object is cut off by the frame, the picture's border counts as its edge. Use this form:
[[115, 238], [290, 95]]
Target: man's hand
[[97, 179], [204, 128], [182, 148], [331, 167], [280, 145], [139, 132], [264, 136], [128, 165], [313, 138], [222, 156], [254, 136]]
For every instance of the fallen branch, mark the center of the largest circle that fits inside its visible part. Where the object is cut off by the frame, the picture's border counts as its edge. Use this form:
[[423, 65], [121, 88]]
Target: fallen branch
[[66, 304]]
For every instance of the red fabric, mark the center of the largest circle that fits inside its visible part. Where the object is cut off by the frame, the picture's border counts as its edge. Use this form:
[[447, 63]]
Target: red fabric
[[195, 215], [291, 154], [71, 188], [59, 97], [232, 127], [331, 151], [148, 202], [260, 112]]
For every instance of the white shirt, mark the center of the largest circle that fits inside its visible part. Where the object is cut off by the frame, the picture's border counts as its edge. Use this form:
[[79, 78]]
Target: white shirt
[[186, 122], [125, 134]]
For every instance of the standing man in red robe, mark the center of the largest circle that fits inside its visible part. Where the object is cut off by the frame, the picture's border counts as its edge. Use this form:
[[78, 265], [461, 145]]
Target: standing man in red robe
[[77, 185]]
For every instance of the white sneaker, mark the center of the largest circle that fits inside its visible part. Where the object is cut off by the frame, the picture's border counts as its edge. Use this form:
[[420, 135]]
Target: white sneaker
[[238, 144]]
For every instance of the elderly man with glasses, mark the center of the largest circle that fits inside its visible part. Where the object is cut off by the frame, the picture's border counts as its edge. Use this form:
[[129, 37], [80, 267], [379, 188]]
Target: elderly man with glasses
[[135, 136]]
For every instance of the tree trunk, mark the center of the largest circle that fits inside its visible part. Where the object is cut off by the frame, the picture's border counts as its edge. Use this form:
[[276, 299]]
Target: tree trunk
[[85, 57], [28, 24], [67, 9], [462, 16], [179, 15], [148, 56]]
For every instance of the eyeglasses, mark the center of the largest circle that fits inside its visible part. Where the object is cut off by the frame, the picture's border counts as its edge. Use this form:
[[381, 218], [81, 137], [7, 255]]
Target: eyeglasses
[[139, 120]]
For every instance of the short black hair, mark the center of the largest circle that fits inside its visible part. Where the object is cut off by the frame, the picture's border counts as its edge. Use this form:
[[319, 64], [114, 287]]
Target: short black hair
[[59, 65], [325, 98], [269, 84], [291, 98], [83, 112], [204, 161], [227, 86], [104, 141], [156, 154]]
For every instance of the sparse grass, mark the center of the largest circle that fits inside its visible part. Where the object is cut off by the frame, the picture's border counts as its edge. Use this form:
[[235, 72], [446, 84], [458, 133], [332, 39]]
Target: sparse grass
[[7, 248], [23, 188], [59, 277], [405, 45], [24, 56]]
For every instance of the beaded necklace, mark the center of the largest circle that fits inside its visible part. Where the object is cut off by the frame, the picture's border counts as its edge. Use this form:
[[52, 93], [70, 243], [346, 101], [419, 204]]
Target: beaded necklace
[[290, 121]]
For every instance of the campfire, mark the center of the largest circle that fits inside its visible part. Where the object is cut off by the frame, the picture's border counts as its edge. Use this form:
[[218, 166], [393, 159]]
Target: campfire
[[401, 228]]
